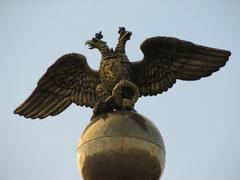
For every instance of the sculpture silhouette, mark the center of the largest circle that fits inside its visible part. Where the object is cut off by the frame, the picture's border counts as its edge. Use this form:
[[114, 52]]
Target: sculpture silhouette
[[118, 83]]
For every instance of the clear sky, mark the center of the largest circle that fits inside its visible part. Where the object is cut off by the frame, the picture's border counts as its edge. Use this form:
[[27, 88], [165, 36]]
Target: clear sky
[[199, 120]]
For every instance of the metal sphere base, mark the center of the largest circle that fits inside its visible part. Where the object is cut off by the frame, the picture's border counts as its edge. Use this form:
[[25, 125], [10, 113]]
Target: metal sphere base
[[121, 145]]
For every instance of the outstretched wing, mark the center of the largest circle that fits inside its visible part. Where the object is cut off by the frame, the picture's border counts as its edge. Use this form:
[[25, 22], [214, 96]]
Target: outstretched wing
[[68, 80], [167, 59]]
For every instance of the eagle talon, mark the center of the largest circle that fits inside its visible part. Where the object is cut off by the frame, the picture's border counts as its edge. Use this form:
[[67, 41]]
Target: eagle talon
[[102, 107], [109, 99]]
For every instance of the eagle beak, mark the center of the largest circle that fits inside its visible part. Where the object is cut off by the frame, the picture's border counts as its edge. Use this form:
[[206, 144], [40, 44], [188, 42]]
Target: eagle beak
[[90, 44], [95, 43]]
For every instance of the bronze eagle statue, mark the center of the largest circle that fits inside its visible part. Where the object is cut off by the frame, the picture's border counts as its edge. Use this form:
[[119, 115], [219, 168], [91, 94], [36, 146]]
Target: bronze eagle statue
[[118, 83]]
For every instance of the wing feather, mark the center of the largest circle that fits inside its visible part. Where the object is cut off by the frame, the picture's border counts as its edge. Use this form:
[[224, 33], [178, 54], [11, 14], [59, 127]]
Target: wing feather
[[167, 59], [49, 109], [41, 109], [68, 80]]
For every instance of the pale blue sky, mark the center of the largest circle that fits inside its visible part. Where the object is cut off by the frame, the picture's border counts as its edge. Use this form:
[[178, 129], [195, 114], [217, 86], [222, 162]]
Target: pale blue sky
[[199, 120]]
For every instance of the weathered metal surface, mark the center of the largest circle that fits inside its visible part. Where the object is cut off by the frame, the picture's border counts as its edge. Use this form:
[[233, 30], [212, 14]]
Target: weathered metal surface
[[166, 59], [121, 145]]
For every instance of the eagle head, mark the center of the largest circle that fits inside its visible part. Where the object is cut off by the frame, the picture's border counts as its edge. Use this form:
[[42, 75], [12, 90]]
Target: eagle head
[[98, 43]]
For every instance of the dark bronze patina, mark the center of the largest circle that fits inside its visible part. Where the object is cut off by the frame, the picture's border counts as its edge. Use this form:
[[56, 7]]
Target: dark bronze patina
[[119, 82]]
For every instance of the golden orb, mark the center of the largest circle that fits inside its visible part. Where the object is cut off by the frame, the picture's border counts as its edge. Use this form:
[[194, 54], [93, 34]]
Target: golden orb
[[121, 145]]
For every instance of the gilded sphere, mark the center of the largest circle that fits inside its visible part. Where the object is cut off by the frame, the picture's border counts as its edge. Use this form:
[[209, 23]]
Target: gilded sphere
[[121, 145]]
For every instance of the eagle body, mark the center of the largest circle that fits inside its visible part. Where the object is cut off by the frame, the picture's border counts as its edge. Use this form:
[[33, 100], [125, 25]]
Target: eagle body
[[114, 69], [119, 83]]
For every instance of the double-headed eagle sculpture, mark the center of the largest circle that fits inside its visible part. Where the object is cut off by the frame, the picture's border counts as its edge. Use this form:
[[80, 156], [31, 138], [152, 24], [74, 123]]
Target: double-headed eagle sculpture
[[119, 83]]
